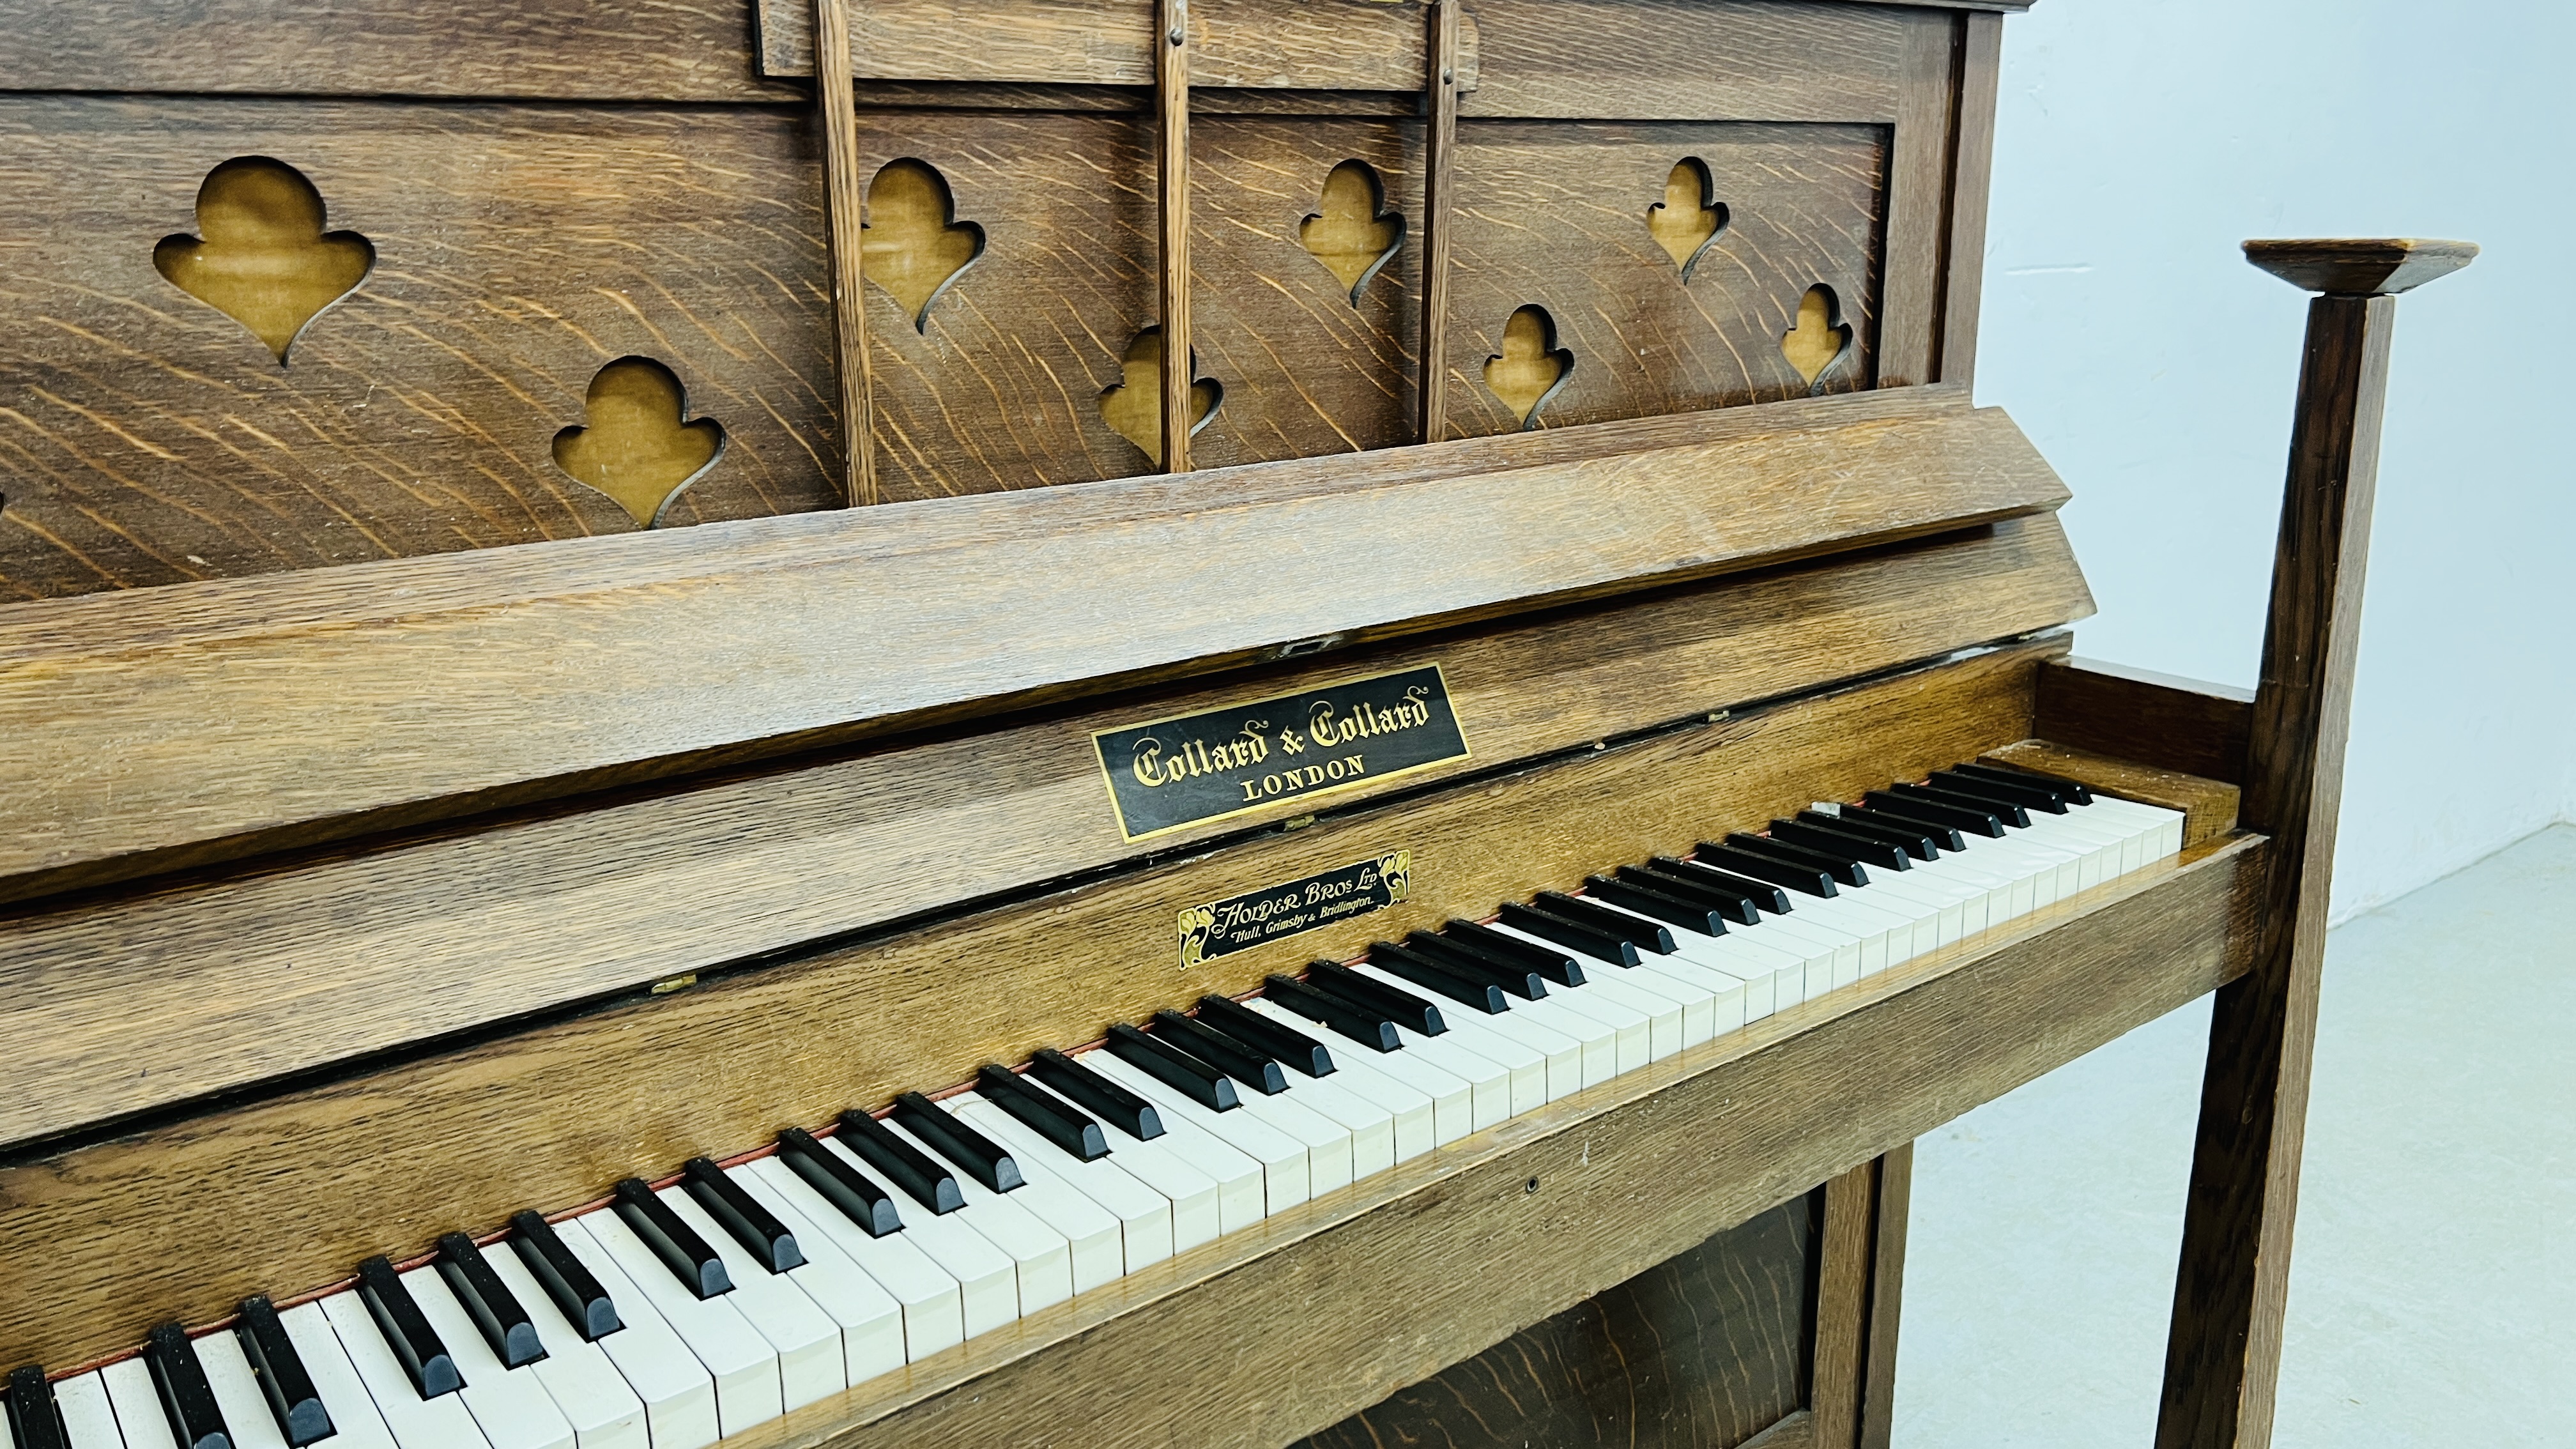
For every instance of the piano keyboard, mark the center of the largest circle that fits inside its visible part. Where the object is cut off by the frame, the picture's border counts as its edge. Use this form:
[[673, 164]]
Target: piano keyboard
[[674, 1317]]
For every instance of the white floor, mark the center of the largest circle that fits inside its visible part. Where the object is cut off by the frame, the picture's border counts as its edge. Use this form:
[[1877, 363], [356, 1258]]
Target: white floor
[[2433, 1295]]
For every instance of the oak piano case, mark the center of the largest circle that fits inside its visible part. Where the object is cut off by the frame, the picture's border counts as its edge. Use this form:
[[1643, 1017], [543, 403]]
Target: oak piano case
[[598, 593]]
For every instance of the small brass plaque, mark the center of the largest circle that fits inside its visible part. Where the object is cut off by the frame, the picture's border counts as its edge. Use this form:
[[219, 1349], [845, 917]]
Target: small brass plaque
[[1239, 923], [1168, 774]]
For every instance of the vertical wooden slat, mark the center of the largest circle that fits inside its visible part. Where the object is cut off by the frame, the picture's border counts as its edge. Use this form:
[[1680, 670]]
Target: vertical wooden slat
[[1918, 183], [1172, 180], [842, 200], [1439, 185], [1972, 169], [1886, 1298], [1842, 1307], [2222, 1359]]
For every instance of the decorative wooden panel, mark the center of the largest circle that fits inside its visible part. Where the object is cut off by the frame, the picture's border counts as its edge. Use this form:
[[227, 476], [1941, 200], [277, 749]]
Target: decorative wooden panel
[[1555, 215], [1703, 1351], [147, 437]]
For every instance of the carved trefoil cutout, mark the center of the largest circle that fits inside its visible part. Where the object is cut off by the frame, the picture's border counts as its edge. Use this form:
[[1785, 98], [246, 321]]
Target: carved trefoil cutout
[[913, 245], [1690, 217], [1134, 405], [1354, 236], [1820, 337], [264, 259], [638, 444], [1531, 368]]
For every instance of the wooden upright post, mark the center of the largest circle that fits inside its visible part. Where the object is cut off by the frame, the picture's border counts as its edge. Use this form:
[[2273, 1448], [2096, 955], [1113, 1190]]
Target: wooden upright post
[[1439, 186], [1172, 166], [836, 92], [2224, 1354]]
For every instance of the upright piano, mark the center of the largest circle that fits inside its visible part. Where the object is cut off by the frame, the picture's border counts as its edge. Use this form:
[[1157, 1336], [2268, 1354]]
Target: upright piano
[[869, 722]]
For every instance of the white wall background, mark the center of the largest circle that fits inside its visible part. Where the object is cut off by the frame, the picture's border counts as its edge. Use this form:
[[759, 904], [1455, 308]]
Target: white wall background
[[2138, 143]]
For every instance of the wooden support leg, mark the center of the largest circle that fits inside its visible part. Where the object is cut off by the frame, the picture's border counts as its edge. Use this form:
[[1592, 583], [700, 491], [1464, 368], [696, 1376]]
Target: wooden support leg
[[2223, 1356], [1842, 1307], [1886, 1298]]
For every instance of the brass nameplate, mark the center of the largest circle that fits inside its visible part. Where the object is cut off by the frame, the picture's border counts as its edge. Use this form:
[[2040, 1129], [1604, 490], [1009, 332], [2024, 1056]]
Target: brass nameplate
[[1239, 923], [1167, 774]]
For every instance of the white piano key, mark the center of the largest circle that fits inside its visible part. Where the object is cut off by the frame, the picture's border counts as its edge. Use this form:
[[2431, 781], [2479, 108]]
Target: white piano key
[[1649, 1027], [1327, 1142], [678, 1390], [140, 1419], [1409, 1090], [811, 1363], [1597, 1040], [932, 1302], [1041, 1255], [416, 1423], [1689, 1009], [870, 1320], [1144, 1215], [1772, 976], [356, 1422], [1833, 953], [1938, 907], [247, 1420], [1282, 1158], [1872, 927], [88, 1417], [513, 1409], [1985, 898], [1567, 1007], [1488, 1080], [604, 1411], [1213, 1189], [988, 1279], [748, 1388], [1369, 1128], [10, 1441], [1095, 1241], [1729, 993], [1718, 996]]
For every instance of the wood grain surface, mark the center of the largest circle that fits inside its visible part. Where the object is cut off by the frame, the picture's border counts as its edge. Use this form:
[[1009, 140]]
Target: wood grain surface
[[149, 438], [1841, 1344], [1758, 60], [2146, 717], [1372, 45], [545, 681], [288, 1191], [1972, 168], [1701, 1351], [1394, 1277], [2209, 807], [1805, 206], [533, 49], [125, 1004], [1913, 260]]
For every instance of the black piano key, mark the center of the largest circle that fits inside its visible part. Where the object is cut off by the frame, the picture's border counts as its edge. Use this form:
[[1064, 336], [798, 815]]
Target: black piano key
[[1914, 840], [737, 1212], [187, 1400], [1245, 1063], [1942, 834], [2074, 791], [34, 1421], [576, 1294], [406, 1329], [846, 1188], [1762, 894], [929, 1182], [2033, 796], [1699, 919], [1096, 1094], [1069, 1130], [1554, 964], [279, 1370], [1804, 879], [1644, 935], [1841, 844], [1669, 877], [1573, 936], [1368, 1028], [1842, 870], [1979, 821], [1474, 992], [497, 1313], [2003, 810], [1515, 980], [984, 1159], [1250, 1027], [1413, 1013], [1206, 1085], [674, 1242]]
